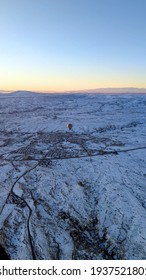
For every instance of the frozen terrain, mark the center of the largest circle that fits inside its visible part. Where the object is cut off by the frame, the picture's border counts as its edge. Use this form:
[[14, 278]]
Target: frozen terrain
[[78, 194]]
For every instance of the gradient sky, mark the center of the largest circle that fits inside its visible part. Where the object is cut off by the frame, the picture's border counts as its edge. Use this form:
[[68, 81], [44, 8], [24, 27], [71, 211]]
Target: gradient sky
[[50, 45]]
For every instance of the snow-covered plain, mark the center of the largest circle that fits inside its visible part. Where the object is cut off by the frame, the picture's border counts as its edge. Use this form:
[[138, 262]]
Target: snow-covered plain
[[78, 194]]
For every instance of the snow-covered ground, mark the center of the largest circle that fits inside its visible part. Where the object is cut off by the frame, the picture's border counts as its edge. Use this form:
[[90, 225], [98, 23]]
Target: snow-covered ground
[[73, 194]]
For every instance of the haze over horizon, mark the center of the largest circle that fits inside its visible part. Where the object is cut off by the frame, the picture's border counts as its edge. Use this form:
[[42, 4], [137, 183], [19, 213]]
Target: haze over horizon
[[67, 45], [130, 90]]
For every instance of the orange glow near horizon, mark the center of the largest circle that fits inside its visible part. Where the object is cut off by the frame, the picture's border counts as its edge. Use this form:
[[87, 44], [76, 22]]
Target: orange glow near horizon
[[43, 89], [57, 83]]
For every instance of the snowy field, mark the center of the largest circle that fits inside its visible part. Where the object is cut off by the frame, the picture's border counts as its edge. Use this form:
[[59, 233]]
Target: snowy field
[[73, 194]]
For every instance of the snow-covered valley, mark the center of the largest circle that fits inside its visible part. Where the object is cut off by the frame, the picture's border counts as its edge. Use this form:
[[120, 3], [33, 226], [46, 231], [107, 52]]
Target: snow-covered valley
[[73, 194]]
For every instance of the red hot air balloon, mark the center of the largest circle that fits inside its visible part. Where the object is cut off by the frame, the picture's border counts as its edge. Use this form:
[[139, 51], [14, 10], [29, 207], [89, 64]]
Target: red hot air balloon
[[70, 126]]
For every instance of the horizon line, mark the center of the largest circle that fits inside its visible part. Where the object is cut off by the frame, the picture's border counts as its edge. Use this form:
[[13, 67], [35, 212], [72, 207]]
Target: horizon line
[[93, 90]]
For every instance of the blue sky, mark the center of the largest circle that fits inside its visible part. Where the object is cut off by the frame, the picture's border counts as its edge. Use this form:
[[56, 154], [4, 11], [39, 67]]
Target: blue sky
[[72, 44]]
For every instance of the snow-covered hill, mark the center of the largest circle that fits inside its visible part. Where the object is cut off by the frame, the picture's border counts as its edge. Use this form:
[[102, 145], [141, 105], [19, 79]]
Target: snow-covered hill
[[73, 194]]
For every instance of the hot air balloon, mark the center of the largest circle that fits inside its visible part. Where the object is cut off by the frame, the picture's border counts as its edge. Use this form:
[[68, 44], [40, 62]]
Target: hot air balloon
[[69, 126]]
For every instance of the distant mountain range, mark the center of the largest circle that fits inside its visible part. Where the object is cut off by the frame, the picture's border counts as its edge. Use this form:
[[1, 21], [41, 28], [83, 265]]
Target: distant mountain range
[[115, 90], [97, 90]]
